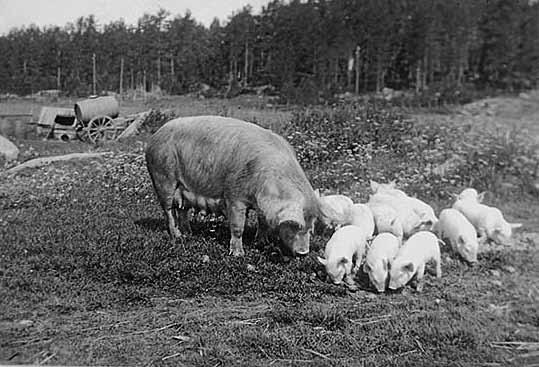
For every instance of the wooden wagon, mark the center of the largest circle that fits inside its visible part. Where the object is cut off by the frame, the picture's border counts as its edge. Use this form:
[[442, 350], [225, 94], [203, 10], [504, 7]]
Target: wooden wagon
[[94, 119], [98, 119]]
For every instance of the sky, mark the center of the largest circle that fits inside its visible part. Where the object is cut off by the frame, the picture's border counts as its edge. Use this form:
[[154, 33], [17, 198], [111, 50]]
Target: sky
[[18, 13]]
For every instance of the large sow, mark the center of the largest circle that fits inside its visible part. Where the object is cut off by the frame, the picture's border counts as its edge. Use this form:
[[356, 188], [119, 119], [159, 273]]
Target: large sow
[[217, 162]]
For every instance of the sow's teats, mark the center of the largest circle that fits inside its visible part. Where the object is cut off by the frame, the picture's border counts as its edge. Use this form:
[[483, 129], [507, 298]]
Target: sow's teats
[[234, 165], [87, 109]]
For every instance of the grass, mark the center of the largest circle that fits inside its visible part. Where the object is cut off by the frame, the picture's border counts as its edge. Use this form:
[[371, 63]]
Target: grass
[[89, 277]]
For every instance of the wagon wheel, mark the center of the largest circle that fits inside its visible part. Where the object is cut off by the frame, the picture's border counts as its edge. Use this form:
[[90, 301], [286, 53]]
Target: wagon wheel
[[101, 128]]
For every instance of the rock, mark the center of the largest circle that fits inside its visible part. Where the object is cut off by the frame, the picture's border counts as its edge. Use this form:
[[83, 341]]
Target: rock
[[205, 259], [495, 273], [524, 95], [250, 267], [509, 269], [26, 323], [8, 150]]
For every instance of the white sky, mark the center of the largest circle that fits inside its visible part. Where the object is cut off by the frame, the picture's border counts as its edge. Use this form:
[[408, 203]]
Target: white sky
[[17, 13]]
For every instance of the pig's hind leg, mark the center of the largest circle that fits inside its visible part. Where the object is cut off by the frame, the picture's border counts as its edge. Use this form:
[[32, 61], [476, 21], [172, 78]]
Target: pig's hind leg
[[181, 212], [165, 188]]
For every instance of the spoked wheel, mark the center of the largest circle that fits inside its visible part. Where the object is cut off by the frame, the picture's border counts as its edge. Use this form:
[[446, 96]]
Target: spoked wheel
[[100, 128]]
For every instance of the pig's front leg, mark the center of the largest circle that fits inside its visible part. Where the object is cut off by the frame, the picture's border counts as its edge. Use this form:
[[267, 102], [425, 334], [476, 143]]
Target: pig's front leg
[[236, 211]]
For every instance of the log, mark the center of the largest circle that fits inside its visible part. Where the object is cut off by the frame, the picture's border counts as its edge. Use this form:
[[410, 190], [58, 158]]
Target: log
[[132, 129], [39, 162]]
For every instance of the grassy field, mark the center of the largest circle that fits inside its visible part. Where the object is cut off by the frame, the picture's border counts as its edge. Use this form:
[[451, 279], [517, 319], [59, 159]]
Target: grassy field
[[88, 275]]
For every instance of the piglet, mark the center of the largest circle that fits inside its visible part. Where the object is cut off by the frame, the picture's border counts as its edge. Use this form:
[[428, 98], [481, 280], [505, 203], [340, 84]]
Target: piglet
[[362, 217], [487, 220], [336, 210], [388, 188], [460, 233], [381, 253], [471, 194], [386, 219], [421, 248], [343, 254]]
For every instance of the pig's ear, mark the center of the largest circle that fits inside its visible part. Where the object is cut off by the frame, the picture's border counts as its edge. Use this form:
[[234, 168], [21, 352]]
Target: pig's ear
[[343, 261], [292, 217], [481, 197], [374, 186], [515, 225], [317, 193], [366, 268], [409, 267], [460, 240], [393, 184], [290, 227], [322, 261], [385, 263]]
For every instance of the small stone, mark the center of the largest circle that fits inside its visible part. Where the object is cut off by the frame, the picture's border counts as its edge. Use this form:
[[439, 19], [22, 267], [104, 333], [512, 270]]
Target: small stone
[[509, 269], [205, 259], [497, 283], [26, 323], [250, 267], [495, 273], [437, 300]]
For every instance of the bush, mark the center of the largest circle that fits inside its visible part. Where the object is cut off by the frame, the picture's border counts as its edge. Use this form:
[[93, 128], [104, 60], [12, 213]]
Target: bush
[[346, 145]]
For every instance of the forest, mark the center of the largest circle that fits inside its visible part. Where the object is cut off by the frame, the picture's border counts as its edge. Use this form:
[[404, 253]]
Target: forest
[[313, 47]]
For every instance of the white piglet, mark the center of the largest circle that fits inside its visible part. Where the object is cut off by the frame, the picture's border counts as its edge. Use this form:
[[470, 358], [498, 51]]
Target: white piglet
[[381, 253], [388, 188], [471, 194], [421, 248], [343, 254], [461, 234], [424, 211], [487, 220], [410, 220], [337, 210], [362, 217], [386, 219]]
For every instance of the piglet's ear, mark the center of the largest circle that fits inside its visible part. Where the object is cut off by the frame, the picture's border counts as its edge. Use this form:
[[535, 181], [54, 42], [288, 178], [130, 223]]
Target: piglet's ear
[[322, 261], [343, 261], [409, 267], [460, 240], [374, 186], [481, 197], [515, 225], [385, 264], [317, 193], [393, 184]]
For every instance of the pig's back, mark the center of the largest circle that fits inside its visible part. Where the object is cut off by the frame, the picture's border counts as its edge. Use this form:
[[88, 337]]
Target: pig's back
[[211, 154], [384, 245], [420, 246]]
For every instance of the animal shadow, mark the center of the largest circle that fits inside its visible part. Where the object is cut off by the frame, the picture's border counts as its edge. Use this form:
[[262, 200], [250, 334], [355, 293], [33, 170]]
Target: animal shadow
[[153, 224]]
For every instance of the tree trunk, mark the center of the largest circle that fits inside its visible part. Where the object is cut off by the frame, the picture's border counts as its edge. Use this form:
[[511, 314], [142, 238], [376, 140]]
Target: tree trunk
[[121, 77], [356, 89], [94, 78], [246, 64]]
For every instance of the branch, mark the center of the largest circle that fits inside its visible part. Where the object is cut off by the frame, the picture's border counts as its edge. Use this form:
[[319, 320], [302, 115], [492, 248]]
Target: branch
[[39, 162]]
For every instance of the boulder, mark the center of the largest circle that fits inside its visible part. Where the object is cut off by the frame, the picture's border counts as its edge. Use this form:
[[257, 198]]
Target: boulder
[[8, 150]]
